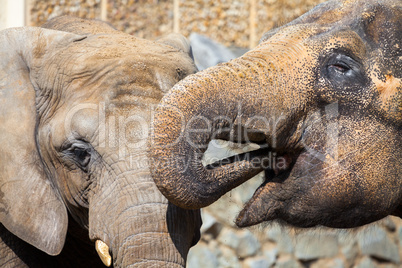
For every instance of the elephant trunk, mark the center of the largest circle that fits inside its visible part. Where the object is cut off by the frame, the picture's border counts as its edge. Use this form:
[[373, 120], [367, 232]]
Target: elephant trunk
[[140, 243], [138, 226], [224, 102]]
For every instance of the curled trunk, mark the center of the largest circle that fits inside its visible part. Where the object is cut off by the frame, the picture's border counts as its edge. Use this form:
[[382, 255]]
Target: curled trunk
[[222, 103]]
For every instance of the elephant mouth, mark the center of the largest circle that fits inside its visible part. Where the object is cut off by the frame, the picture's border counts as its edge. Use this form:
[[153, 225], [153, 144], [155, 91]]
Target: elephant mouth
[[276, 164], [278, 167]]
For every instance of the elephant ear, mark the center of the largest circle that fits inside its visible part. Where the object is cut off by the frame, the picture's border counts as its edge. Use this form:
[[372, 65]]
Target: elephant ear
[[177, 41], [30, 207]]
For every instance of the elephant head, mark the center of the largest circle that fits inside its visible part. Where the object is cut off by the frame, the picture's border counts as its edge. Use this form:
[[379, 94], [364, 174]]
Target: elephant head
[[321, 96], [74, 118]]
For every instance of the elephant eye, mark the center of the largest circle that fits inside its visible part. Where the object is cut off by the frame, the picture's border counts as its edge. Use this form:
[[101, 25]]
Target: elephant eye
[[80, 154], [340, 67], [344, 73]]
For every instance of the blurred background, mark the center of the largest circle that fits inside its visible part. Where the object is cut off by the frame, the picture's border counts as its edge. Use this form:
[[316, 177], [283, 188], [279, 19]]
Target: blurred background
[[220, 30]]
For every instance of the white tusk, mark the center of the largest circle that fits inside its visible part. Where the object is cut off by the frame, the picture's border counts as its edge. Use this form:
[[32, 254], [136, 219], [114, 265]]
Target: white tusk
[[103, 252]]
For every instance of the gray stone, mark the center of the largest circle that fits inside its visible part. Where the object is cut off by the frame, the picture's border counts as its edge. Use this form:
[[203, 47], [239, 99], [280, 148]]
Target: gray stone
[[376, 243], [229, 238], [400, 235], [257, 262], [238, 51], [209, 224], [224, 210], [281, 236], [287, 262], [208, 52], [270, 252], [350, 252], [389, 224], [214, 246], [328, 263], [314, 245], [245, 191], [248, 244], [348, 245], [366, 262], [228, 259], [389, 266], [201, 256]]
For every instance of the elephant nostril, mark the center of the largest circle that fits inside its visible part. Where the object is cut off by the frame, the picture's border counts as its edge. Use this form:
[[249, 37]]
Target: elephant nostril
[[103, 251]]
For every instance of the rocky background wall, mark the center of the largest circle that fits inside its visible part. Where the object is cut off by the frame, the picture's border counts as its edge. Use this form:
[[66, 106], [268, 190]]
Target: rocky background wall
[[238, 24]]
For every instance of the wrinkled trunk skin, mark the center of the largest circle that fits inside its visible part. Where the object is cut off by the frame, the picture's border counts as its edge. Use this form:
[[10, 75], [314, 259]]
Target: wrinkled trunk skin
[[140, 226], [264, 77]]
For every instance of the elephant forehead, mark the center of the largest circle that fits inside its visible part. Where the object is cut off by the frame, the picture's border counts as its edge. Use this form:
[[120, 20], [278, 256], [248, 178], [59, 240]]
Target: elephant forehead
[[377, 22], [344, 11], [128, 51], [135, 67], [125, 71]]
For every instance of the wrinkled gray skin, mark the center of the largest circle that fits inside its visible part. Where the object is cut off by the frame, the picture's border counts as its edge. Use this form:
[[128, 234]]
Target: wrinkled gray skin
[[322, 95], [75, 107]]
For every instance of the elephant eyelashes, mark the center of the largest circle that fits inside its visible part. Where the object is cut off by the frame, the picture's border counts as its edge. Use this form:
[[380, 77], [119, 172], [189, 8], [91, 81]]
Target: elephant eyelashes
[[340, 67], [80, 154]]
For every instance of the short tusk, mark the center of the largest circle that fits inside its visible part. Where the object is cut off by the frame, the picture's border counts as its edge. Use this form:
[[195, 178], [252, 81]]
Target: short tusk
[[103, 252]]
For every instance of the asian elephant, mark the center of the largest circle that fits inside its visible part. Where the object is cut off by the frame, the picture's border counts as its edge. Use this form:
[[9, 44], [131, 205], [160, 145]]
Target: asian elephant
[[321, 96], [76, 101]]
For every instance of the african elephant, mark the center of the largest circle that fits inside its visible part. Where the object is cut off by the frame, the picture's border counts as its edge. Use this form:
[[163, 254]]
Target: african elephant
[[75, 108], [321, 96]]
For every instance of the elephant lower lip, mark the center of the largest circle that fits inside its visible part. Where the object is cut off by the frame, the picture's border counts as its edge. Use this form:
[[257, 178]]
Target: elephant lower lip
[[268, 199]]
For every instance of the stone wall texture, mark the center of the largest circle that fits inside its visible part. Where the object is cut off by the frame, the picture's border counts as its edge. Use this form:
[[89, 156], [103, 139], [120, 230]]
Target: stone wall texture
[[236, 23], [42, 10]]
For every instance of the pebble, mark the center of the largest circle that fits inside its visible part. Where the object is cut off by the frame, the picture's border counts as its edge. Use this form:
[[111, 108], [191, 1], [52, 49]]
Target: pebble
[[228, 258], [256, 262], [209, 224], [310, 246], [328, 263], [208, 52], [281, 236], [378, 244], [201, 256], [229, 238], [248, 244], [366, 262], [287, 262]]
